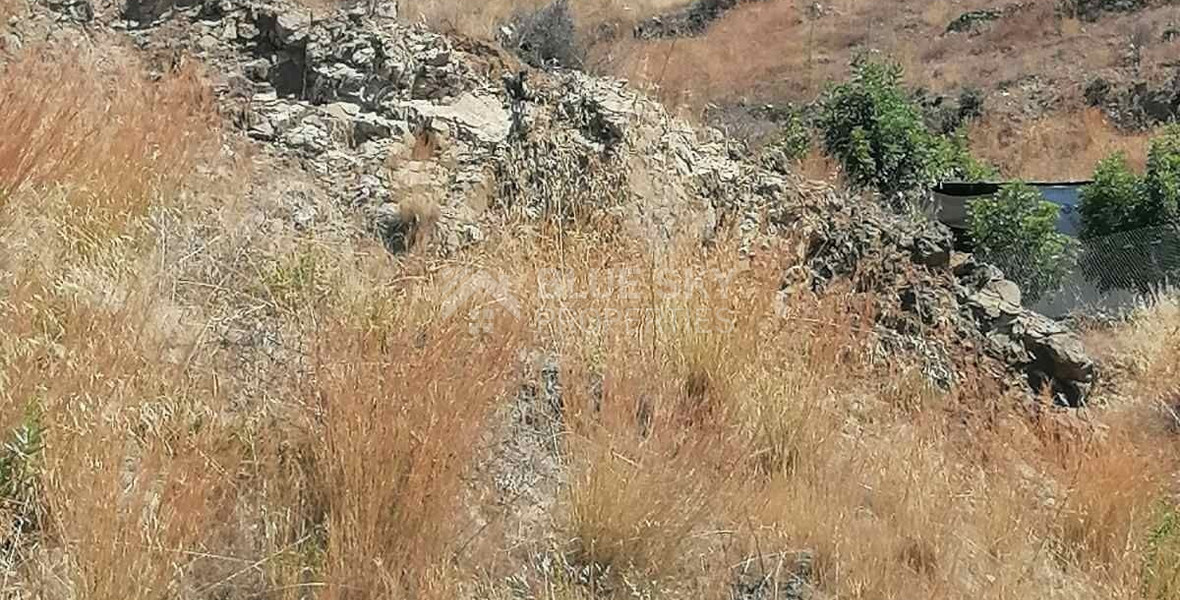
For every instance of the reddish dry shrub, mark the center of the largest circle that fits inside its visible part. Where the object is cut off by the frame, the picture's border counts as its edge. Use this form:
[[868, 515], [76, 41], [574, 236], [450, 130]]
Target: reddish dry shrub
[[399, 407], [109, 135], [137, 470], [131, 475]]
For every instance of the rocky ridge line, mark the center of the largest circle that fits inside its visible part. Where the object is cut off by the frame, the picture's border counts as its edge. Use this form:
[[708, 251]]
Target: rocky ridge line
[[384, 113]]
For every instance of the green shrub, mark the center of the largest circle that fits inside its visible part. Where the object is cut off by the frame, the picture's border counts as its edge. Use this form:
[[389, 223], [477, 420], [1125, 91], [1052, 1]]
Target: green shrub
[[1161, 571], [876, 130], [871, 126], [1129, 222], [791, 140], [1112, 203], [1162, 181], [1119, 200], [20, 474], [1016, 230], [794, 138], [953, 160]]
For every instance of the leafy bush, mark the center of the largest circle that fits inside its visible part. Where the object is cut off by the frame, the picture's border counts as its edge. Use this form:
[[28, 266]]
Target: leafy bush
[[1016, 230], [794, 135], [953, 160], [1119, 200], [545, 37], [1140, 213], [1113, 202], [1162, 181], [20, 476], [1161, 571], [874, 128]]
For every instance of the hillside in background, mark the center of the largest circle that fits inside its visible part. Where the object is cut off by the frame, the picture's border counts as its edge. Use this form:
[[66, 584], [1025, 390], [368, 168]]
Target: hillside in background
[[1031, 63]]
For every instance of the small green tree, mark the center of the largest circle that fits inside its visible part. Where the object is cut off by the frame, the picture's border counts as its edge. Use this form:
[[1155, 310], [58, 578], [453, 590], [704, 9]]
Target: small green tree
[[873, 126], [1016, 230], [1119, 200], [954, 160], [791, 142], [1162, 181], [1129, 222], [1112, 203]]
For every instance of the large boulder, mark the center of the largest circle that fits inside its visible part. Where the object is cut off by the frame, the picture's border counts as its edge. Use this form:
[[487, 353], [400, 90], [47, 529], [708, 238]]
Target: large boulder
[[1051, 355]]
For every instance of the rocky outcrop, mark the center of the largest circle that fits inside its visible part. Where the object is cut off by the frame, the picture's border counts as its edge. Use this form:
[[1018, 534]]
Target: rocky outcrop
[[1050, 355], [975, 21], [438, 140], [690, 21], [1136, 103], [1092, 10], [78, 11], [943, 305], [383, 111]]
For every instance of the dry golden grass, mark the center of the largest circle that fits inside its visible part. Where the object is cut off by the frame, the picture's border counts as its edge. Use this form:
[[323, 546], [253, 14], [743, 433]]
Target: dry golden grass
[[784, 50], [72, 133], [1147, 351], [343, 451], [395, 407], [780, 433], [132, 482], [1055, 147], [481, 18], [778, 51], [125, 484], [759, 46]]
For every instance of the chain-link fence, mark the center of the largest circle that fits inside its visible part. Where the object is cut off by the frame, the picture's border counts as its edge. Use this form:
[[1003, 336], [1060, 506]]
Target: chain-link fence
[[1117, 272]]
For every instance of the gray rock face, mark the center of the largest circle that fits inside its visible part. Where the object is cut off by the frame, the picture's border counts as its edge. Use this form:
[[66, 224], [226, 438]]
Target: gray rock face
[[1136, 103], [1049, 354], [10, 43], [481, 118], [78, 11], [972, 301], [690, 21], [792, 579]]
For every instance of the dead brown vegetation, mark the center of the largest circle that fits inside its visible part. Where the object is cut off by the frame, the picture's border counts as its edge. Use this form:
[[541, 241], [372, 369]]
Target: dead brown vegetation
[[1055, 147], [313, 423]]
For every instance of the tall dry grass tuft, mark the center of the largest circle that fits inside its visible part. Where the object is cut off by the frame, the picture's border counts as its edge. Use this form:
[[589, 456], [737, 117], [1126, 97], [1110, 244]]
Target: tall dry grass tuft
[[650, 448], [138, 472], [1144, 353], [399, 406], [713, 439], [109, 139], [131, 475], [1111, 504]]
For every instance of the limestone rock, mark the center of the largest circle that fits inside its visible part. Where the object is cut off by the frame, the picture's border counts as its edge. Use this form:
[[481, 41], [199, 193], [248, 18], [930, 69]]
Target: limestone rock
[[480, 118]]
